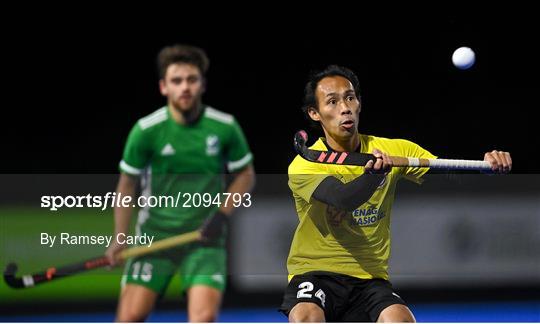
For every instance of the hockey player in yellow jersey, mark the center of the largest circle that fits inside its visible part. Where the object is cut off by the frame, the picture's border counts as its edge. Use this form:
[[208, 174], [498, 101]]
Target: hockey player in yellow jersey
[[338, 260]]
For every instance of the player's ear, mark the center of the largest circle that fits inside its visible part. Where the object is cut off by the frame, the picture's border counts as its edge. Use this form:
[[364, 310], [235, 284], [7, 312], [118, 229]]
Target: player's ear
[[162, 87], [313, 114]]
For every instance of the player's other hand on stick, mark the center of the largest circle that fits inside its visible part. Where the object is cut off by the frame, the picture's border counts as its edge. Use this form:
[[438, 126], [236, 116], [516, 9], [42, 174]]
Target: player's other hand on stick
[[113, 251], [500, 161], [383, 164], [214, 226]]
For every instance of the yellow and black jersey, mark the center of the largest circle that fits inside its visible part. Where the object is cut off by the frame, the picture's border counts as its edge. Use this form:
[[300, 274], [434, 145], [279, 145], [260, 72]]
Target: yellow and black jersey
[[354, 243]]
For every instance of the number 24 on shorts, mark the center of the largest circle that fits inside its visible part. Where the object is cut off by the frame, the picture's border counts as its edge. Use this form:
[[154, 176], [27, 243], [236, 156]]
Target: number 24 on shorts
[[306, 287]]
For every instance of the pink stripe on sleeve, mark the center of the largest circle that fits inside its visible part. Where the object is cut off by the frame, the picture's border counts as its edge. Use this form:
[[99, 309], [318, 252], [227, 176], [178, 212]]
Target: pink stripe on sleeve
[[332, 157], [342, 157]]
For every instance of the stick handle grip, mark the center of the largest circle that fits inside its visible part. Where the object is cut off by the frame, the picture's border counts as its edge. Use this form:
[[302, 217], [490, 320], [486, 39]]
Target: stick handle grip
[[450, 164]]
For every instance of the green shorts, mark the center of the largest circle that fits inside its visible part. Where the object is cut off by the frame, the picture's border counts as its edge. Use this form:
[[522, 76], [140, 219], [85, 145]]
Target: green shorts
[[196, 263]]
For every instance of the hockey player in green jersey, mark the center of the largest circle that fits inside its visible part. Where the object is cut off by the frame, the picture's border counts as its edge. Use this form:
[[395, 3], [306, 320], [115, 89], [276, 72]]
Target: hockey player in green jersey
[[181, 150]]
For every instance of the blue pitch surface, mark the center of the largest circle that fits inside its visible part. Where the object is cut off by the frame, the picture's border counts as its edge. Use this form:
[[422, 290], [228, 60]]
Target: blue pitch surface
[[469, 312]]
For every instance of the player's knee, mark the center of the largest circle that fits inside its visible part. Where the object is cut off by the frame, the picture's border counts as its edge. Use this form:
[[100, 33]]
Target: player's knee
[[131, 314], [396, 314], [306, 312], [136, 303], [203, 315]]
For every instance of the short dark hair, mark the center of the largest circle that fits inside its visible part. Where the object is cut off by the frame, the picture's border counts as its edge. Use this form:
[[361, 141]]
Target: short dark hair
[[180, 53], [310, 99]]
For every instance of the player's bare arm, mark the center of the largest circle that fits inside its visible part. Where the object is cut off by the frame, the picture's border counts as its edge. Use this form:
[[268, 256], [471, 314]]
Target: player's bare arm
[[127, 186], [243, 182]]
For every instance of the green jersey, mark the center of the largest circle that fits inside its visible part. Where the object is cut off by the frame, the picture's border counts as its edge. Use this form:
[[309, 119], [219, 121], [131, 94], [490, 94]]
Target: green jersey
[[178, 164]]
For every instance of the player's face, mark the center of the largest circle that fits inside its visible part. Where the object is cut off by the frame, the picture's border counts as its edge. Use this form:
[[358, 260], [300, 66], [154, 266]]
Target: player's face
[[183, 86], [339, 107]]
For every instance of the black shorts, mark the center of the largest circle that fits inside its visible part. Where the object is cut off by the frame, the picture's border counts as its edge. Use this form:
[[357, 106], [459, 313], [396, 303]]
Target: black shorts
[[343, 298]]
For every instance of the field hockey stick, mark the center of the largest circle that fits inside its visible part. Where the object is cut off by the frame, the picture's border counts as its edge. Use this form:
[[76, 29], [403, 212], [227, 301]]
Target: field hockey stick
[[360, 159], [53, 273]]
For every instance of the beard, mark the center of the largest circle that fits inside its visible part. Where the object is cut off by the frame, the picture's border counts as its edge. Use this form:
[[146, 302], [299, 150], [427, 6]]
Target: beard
[[190, 110]]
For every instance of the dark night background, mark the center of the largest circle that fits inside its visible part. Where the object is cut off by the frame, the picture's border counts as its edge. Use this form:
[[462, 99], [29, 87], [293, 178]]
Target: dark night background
[[75, 84]]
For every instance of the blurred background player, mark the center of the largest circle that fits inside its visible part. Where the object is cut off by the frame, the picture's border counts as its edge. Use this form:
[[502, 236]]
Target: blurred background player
[[338, 260], [182, 147]]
